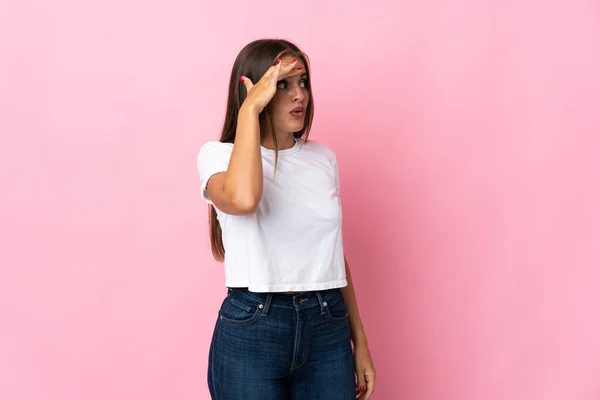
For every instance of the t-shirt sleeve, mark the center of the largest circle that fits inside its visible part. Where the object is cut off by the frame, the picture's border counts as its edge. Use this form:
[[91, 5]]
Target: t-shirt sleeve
[[212, 159]]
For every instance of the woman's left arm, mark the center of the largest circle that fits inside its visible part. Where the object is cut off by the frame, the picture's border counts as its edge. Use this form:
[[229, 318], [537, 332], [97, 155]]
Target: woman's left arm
[[365, 371]]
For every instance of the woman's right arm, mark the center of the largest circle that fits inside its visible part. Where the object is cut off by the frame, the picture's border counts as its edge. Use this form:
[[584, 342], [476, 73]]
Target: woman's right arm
[[238, 190]]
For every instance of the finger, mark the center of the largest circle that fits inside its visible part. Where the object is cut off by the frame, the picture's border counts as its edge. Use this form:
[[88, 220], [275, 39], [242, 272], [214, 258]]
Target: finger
[[277, 67], [361, 383], [370, 381], [290, 69], [293, 73], [247, 82], [274, 71]]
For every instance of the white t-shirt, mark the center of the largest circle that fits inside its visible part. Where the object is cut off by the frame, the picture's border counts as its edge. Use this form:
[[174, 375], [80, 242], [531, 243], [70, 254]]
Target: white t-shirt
[[294, 240]]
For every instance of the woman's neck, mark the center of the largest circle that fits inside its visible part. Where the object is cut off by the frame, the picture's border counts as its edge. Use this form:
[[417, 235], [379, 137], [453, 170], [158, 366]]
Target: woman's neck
[[284, 141]]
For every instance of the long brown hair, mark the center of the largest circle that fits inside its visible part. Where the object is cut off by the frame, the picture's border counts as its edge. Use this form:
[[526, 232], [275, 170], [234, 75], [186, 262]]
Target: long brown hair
[[253, 61]]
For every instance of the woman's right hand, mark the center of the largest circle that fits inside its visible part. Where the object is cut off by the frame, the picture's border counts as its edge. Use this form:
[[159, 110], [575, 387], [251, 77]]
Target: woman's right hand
[[261, 93]]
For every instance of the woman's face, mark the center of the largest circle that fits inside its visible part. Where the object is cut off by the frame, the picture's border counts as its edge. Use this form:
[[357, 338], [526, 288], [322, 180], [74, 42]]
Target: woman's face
[[291, 99]]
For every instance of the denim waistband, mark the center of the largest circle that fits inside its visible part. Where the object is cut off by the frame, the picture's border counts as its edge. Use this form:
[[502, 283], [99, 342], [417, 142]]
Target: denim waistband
[[287, 300]]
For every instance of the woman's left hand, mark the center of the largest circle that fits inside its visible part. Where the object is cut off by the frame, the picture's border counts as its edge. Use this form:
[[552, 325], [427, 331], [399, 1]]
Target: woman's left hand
[[365, 372]]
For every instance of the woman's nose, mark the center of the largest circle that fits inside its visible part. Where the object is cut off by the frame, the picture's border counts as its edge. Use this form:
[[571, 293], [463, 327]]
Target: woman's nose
[[297, 94]]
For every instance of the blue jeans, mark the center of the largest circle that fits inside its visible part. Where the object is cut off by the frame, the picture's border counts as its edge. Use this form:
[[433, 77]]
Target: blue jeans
[[276, 346]]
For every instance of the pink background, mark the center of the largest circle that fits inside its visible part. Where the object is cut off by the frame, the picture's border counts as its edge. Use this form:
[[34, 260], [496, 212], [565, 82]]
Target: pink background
[[468, 140]]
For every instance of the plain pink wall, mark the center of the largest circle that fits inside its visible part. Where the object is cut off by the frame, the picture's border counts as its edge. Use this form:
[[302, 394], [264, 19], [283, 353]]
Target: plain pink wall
[[468, 139]]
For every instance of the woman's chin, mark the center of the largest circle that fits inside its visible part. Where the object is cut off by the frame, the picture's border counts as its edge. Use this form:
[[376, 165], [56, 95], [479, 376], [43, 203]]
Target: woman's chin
[[296, 127]]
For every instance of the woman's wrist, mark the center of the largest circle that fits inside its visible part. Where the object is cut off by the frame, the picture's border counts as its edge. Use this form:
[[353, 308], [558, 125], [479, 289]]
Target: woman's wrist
[[247, 108]]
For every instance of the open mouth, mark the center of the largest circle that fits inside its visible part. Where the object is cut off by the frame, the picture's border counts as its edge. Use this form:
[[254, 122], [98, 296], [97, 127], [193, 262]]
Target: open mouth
[[298, 112]]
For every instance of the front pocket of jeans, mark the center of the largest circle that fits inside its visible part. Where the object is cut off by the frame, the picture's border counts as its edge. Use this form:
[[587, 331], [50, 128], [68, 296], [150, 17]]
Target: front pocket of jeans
[[235, 311], [335, 310]]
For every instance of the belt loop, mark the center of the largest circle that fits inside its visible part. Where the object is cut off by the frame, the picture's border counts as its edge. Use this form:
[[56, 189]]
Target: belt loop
[[321, 303], [267, 304]]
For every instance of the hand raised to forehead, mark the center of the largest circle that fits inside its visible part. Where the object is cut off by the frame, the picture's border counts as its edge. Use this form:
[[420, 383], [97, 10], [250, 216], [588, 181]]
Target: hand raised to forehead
[[260, 93]]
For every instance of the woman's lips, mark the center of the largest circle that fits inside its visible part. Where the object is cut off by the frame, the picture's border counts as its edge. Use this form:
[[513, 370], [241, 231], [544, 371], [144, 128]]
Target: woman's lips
[[298, 114]]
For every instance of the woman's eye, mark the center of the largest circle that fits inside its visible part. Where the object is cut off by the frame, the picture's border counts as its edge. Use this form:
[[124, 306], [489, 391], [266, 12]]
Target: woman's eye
[[283, 84]]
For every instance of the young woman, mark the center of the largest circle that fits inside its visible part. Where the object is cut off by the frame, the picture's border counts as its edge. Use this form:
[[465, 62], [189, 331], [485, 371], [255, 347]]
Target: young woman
[[289, 327]]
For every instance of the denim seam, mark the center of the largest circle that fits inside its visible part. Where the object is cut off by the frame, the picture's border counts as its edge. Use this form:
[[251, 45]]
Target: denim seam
[[240, 305], [335, 319], [267, 305], [296, 340], [321, 303], [243, 322], [291, 307], [212, 369], [306, 344], [247, 296]]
